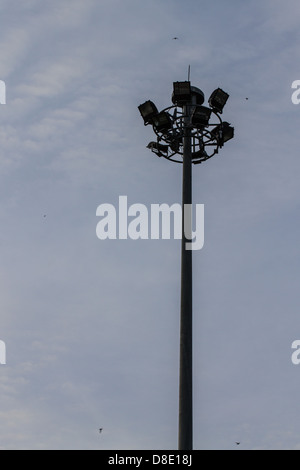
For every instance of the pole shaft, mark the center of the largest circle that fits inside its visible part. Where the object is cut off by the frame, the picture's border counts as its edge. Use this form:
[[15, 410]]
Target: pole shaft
[[185, 434]]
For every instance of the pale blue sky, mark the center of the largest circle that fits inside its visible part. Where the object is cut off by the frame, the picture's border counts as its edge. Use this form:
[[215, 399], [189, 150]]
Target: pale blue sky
[[92, 327]]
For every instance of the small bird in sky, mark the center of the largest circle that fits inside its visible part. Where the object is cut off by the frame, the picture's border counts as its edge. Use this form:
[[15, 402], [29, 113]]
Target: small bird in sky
[[237, 443], [100, 430], [175, 38]]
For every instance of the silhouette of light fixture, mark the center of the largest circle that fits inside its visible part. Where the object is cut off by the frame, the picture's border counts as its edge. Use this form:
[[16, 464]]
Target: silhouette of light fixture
[[217, 100], [187, 137], [148, 110], [201, 116], [228, 131], [162, 121], [160, 149], [181, 93], [223, 132]]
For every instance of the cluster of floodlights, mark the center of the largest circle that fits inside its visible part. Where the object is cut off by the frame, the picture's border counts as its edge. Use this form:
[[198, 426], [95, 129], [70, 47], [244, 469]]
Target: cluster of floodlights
[[188, 111]]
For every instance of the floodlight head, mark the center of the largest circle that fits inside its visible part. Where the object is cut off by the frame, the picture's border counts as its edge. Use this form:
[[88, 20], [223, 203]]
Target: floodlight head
[[148, 110], [217, 100], [159, 149], [201, 116], [162, 122], [222, 133], [181, 93], [228, 132]]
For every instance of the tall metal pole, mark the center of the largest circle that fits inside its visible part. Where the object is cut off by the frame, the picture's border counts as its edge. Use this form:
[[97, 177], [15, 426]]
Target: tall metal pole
[[185, 434], [193, 127]]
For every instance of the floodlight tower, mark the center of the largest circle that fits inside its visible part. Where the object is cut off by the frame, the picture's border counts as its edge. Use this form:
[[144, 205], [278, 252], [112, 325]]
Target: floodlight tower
[[184, 134]]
